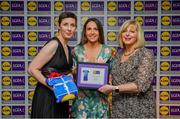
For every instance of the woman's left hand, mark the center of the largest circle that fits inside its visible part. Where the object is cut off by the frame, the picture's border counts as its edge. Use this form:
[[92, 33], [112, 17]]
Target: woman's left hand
[[106, 89]]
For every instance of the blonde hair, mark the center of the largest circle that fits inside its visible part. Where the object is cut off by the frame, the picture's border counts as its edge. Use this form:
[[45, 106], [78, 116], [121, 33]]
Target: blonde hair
[[140, 34]]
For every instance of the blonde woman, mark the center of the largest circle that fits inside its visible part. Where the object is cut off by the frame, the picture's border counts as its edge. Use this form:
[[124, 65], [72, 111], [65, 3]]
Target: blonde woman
[[133, 69]]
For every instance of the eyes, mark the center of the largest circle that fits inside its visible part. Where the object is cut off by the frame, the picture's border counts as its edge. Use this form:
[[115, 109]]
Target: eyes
[[69, 24], [89, 29], [130, 31]]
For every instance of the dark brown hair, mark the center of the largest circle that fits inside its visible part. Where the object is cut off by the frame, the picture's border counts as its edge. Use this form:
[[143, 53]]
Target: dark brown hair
[[84, 39], [64, 15]]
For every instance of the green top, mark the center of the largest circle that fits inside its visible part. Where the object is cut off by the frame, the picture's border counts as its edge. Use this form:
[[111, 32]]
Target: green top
[[90, 103]]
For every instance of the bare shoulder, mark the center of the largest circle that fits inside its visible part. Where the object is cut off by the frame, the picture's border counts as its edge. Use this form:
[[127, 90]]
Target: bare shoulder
[[51, 46]]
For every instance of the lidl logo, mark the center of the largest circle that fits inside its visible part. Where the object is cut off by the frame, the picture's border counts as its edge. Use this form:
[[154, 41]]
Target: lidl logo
[[30, 95], [139, 6], [58, 6], [166, 5], [164, 95], [6, 51], [165, 36], [85, 6], [6, 95], [164, 81], [32, 51], [6, 110], [5, 36], [32, 36], [56, 21], [166, 20], [164, 66], [32, 81], [5, 5], [84, 19], [5, 21], [165, 51], [112, 21], [164, 110], [111, 36], [32, 6], [6, 66], [139, 19], [112, 6], [6, 80], [32, 21]]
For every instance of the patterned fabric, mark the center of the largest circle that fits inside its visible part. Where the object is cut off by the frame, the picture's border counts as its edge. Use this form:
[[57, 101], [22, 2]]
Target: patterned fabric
[[91, 103], [140, 69]]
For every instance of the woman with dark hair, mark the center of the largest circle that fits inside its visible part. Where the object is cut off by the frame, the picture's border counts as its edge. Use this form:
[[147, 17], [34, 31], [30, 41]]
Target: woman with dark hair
[[55, 56], [91, 103]]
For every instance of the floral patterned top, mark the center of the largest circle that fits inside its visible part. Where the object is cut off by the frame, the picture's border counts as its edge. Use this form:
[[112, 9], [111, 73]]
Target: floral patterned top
[[90, 103], [140, 69]]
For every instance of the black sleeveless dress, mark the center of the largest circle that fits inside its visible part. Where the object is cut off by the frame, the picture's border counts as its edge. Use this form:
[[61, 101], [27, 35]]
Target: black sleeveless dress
[[44, 102]]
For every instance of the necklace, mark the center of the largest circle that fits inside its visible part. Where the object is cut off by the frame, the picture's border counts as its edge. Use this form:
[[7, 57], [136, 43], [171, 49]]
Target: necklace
[[129, 53]]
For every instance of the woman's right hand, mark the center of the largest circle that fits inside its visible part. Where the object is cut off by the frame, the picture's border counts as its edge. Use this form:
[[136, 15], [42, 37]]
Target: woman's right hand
[[106, 89]]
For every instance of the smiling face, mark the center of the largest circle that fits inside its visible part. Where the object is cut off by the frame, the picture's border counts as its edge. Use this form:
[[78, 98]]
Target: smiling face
[[67, 27], [92, 32], [129, 35]]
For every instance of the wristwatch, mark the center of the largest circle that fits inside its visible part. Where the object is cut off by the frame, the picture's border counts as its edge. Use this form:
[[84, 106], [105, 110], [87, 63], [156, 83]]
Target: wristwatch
[[117, 89]]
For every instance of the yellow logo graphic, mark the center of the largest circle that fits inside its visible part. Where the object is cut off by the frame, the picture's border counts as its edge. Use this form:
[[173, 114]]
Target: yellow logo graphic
[[30, 95], [138, 6], [111, 36], [164, 110], [32, 6], [32, 21], [6, 80], [5, 21], [6, 95], [164, 95], [165, 20], [58, 6], [5, 36], [84, 19], [56, 21], [139, 19], [112, 21], [5, 5], [6, 66], [32, 81], [6, 51], [6, 110], [32, 51], [112, 6], [32, 36], [85, 6], [164, 66], [166, 5], [165, 51], [164, 81], [29, 110], [165, 36]]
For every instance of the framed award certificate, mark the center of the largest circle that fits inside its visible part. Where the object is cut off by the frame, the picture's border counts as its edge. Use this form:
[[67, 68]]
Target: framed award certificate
[[92, 75]]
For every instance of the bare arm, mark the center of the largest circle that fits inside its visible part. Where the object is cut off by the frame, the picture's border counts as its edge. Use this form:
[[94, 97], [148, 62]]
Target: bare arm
[[41, 59]]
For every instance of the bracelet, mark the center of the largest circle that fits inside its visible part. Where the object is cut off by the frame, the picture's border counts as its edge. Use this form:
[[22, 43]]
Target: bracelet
[[116, 89]]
